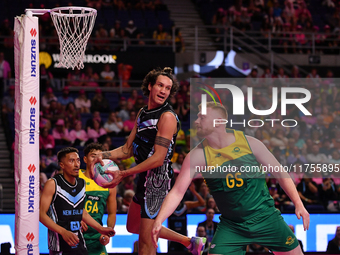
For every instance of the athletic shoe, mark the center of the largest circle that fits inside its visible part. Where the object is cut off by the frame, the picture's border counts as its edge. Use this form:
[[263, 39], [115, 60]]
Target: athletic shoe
[[197, 245]]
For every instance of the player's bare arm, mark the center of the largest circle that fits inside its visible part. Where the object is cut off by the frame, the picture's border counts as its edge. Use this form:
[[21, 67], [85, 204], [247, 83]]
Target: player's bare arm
[[111, 205], [93, 223], [45, 201], [177, 192], [167, 126], [266, 158], [125, 151]]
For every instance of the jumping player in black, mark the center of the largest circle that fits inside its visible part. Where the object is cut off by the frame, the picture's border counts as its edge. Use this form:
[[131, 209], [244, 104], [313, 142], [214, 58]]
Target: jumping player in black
[[152, 142]]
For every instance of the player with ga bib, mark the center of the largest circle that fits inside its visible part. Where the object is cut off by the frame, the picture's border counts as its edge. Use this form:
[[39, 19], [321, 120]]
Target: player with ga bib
[[248, 214], [98, 199]]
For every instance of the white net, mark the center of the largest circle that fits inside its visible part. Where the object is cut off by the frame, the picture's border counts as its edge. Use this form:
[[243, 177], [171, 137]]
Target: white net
[[74, 26]]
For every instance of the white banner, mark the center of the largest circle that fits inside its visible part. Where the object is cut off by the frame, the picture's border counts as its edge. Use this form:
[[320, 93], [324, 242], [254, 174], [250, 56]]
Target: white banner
[[26, 56]]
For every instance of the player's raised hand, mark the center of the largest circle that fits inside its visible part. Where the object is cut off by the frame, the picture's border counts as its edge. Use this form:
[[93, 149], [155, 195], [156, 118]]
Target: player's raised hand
[[98, 159], [155, 231], [301, 211], [70, 238], [117, 177]]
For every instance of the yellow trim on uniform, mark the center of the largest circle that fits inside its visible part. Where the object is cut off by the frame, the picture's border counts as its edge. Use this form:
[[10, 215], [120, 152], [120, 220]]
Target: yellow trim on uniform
[[90, 185], [234, 151]]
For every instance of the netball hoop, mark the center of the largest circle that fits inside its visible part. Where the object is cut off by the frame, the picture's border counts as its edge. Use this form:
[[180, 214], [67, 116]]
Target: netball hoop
[[74, 27]]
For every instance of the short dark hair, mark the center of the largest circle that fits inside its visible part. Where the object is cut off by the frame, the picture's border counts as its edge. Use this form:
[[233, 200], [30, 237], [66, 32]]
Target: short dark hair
[[64, 151], [91, 147], [152, 76]]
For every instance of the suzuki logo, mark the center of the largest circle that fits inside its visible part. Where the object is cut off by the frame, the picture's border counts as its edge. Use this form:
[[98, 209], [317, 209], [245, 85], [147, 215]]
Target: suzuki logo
[[31, 168], [33, 32], [30, 237], [33, 100]]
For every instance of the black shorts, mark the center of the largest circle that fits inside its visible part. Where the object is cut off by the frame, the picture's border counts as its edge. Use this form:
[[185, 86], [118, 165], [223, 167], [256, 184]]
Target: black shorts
[[152, 188]]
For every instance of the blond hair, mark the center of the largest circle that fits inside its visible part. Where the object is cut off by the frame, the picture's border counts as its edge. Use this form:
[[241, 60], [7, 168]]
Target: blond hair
[[216, 106]]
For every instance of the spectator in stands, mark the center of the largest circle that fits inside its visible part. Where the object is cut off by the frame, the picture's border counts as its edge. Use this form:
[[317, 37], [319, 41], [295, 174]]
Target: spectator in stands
[[44, 122], [90, 78], [78, 136], [302, 13], [140, 102], [101, 41], [71, 115], [160, 36], [82, 103], [114, 125], [204, 193], [329, 195], [181, 109], [46, 78], [295, 157], [129, 124], [108, 75], [128, 183], [47, 98], [5, 72], [278, 154], [266, 27], [327, 116], [307, 190], [124, 74], [53, 112], [334, 244], [89, 122], [94, 133], [133, 97], [8, 101], [316, 157], [220, 20], [49, 161], [75, 78], [237, 23], [99, 102], [132, 32], [179, 41], [279, 140], [211, 204], [253, 79], [45, 138], [179, 161], [121, 109], [295, 73], [117, 31], [61, 134], [65, 98], [127, 199], [209, 224]]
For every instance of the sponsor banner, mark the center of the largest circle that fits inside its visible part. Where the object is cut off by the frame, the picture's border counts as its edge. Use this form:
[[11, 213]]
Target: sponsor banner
[[27, 135], [322, 229]]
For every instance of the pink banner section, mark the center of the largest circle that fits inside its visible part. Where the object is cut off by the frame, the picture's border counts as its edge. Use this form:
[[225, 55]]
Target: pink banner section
[[26, 57]]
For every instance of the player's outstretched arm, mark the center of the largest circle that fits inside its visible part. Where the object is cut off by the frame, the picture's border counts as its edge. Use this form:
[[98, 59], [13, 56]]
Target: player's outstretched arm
[[174, 197], [93, 223], [267, 159], [45, 201]]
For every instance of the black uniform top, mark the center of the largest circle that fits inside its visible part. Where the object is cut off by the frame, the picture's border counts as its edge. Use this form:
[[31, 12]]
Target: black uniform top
[[143, 144], [66, 210]]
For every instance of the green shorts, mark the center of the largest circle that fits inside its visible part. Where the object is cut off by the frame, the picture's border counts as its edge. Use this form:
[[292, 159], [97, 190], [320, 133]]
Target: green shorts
[[267, 229], [96, 248]]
